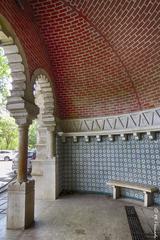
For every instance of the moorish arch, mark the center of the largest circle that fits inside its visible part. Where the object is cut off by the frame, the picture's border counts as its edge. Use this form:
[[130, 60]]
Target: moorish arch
[[44, 97], [23, 110], [18, 104], [44, 167]]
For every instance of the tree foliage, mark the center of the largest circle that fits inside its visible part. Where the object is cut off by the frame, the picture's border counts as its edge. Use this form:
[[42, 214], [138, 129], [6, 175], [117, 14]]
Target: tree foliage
[[33, 135], [4, 81], [8, 133]]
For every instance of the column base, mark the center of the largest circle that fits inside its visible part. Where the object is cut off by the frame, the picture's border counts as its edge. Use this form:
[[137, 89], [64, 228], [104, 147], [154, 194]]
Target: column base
[[45, 173], [20, 213]]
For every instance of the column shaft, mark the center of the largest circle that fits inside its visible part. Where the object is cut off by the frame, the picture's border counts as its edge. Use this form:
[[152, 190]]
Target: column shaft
[[51, 144], [23, 153]]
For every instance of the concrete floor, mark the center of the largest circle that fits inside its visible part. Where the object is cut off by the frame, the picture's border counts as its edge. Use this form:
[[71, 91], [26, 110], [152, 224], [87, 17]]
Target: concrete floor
[[81, 217]]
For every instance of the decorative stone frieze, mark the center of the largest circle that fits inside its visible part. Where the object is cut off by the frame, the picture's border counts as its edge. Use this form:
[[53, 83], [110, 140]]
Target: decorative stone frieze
[[147, 121]]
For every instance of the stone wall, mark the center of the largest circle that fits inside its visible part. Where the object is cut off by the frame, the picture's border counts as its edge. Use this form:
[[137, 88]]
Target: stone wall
[[88, 166]]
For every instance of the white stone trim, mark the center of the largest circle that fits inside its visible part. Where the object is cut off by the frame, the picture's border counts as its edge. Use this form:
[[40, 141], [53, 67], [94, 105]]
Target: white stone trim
[[42, 81], [16, 103], [144, 121]]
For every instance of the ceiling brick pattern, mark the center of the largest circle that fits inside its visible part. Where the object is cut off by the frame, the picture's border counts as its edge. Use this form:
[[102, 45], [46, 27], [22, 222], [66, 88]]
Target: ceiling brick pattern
[[105, 54], [27, 32]]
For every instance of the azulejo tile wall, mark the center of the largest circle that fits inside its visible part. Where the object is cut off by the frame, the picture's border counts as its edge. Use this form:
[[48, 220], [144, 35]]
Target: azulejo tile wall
[[88, 166]]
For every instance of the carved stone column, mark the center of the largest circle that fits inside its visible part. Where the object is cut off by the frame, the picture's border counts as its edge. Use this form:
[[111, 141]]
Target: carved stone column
[[45, 167], [20, 212], [23, 153]]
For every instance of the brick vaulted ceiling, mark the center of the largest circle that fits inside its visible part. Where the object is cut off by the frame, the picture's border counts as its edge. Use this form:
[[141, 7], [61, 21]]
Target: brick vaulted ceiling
[[105, 54]]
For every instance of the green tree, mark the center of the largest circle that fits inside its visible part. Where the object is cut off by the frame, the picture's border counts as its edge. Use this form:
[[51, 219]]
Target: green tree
[[5, 78], [8, 133], [33, 135]]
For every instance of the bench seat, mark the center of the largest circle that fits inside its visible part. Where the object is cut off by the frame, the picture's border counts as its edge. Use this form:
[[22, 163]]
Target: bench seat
[[147, 190]]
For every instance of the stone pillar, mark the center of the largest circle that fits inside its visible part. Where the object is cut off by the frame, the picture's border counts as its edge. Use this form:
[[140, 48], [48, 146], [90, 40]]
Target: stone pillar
[[52, 158], [50, 143], [45, 167], [20, 212], [23, 150]]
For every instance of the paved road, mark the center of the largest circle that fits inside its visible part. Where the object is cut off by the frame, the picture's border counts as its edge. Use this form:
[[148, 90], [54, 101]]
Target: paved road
[[6, 173]]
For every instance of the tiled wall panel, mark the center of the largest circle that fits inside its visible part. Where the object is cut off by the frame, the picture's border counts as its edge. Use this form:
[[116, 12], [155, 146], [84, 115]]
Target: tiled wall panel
[[88, 166]]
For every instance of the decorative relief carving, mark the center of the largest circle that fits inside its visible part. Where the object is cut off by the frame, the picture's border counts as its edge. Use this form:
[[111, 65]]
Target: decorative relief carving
[[19, 107], [144, 121], [44, 97]]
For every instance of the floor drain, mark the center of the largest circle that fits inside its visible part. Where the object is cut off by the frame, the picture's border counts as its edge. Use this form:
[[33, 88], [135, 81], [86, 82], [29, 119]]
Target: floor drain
[[134, 224]]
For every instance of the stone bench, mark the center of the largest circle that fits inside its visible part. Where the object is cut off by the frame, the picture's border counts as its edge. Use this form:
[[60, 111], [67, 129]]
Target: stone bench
[[147, 190]]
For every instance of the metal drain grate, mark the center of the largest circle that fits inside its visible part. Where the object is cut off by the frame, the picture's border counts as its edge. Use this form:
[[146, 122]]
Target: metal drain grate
[[134, 224]]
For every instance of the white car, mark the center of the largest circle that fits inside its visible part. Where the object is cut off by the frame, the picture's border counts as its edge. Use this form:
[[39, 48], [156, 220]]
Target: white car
[[7, 155]]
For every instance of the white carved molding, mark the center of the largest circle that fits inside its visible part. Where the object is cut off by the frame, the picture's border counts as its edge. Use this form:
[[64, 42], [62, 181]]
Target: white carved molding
[[110, 138], [75, 139], [22, 110], [123, 137], [143, 121], [147, 121], [86, 138], [136, 136], [44, 97], [98, 138], [151, 135]]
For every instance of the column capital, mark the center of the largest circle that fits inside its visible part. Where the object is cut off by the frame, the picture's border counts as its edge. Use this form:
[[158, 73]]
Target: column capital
[[24, 126], [22, 110]]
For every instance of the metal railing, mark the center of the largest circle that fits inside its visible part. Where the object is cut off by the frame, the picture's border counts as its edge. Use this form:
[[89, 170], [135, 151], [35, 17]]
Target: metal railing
[[4, 196]]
